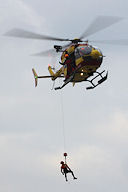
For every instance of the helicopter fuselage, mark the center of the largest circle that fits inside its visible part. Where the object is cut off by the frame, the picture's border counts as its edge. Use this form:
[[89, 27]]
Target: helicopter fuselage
[[84, 59]]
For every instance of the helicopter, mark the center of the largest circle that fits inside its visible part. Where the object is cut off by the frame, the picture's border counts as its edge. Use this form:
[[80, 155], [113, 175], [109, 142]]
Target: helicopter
[[79, 59]]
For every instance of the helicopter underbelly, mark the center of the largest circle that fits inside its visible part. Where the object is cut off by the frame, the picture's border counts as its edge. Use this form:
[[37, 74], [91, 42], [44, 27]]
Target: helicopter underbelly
[[86, 69]]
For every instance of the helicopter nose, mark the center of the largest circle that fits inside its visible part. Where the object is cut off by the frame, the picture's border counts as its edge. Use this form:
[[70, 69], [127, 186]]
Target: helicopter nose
[[96, 54]]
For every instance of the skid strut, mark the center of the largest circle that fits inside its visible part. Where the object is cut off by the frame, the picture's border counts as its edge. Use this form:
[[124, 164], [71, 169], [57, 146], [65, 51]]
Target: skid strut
[[66, 82], [103, 78]]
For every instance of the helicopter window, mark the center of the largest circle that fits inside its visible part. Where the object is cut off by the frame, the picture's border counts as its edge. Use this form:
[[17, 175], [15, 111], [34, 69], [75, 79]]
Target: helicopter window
[[98, 50], [82, 50], [77, 54], [85, 50]]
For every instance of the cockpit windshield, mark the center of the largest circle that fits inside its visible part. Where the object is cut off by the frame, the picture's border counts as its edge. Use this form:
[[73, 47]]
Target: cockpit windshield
[[82, 50]]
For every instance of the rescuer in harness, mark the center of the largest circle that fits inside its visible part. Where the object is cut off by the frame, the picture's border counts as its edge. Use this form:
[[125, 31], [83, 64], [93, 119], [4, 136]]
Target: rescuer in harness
[[70, 63], [65, 169]]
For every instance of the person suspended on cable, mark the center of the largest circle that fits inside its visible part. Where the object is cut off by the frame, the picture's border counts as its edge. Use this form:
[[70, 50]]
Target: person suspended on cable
[[65, 169]]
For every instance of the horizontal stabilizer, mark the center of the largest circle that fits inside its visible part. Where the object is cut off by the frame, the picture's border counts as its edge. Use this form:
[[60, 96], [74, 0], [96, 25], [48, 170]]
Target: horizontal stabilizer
[[36, 77]]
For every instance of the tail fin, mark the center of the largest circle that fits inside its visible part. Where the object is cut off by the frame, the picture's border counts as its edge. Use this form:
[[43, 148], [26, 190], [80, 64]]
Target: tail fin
[[35, 76]]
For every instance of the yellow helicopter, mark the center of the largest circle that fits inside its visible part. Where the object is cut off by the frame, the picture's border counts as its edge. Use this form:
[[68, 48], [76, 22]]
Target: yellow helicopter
[[79, 59]]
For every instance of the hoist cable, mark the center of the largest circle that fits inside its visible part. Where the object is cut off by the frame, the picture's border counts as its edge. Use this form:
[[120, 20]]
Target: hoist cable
[[63, 124]]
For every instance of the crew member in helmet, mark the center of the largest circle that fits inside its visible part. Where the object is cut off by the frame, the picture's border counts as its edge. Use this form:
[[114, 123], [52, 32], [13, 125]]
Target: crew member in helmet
[[65, 169], [70, 63]]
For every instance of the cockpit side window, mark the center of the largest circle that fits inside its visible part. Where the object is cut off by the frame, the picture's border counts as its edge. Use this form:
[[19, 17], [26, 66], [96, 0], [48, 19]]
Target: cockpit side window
[[77, 54]]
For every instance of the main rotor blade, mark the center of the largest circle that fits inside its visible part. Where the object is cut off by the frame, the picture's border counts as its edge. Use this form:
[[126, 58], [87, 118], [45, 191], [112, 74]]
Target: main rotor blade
[[67, 45], [30, 35], [113, 42], [50, 52], [100, 23]]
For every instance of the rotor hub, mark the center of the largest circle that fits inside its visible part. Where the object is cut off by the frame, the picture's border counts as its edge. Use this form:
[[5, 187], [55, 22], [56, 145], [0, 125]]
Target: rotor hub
[[75, 41]]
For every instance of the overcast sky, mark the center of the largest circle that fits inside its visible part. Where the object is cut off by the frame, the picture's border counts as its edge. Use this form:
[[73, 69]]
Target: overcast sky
[[32, 119]]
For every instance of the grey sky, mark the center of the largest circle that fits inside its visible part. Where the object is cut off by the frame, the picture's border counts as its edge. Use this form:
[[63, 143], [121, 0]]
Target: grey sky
[[95, 122]]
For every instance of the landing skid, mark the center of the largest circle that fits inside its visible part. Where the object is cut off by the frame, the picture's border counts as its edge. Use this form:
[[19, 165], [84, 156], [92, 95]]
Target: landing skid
[[66, 82], [103, 78]]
